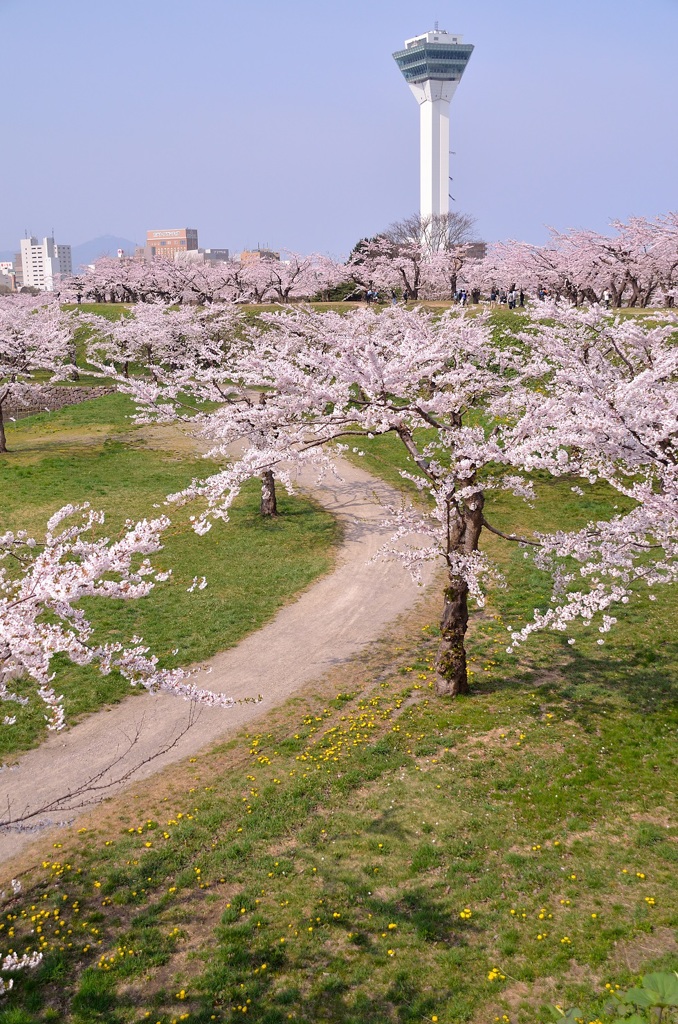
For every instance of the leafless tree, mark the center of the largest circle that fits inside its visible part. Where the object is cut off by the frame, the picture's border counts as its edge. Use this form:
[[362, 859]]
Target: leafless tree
[[438, 232]]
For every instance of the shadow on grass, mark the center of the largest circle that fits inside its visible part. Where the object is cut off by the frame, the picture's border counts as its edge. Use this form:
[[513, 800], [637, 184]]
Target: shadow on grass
[[386, 824], [642, 677], [322, 982]]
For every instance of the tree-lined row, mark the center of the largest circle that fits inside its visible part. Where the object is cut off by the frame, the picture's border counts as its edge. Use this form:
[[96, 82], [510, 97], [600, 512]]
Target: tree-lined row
[[637, 265], [577, 395], [192, 281]]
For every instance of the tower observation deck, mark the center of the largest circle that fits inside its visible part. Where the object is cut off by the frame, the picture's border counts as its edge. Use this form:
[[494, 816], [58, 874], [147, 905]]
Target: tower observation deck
[[432, 65]]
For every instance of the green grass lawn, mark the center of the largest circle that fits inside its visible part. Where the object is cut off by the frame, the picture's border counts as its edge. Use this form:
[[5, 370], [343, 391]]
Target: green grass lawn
[[91, 452], [374, 854]]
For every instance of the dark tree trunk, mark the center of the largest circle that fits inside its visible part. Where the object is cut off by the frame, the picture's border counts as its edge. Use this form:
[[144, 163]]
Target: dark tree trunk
[[465, 532], [269, 505], [3, 440], [73, 355], [451, 660]]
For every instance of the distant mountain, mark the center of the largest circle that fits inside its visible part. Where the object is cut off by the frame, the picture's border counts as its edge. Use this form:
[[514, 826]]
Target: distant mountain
[[87, 252], [105, 245]]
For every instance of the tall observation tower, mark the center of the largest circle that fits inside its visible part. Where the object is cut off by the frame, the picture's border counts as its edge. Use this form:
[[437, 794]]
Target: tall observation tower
[[432, 65]]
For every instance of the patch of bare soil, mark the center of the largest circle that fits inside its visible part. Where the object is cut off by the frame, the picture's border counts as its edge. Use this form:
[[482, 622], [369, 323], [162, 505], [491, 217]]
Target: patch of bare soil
[[633, 954], [630, 954], [197, 919]]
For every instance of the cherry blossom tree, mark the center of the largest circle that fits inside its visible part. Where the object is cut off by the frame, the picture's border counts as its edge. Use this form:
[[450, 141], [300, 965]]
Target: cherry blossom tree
[[41, 585], [292, 278], [612, 399], [150, 336], [635, 266], [302, 277], [172, 361], [410, 265], [190, 279], [36, 347], [467, 409]]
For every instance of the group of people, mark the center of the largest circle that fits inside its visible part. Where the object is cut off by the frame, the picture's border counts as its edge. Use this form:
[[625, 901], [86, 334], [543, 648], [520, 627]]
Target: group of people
[[461, 297], [512, 298], [372, 295]]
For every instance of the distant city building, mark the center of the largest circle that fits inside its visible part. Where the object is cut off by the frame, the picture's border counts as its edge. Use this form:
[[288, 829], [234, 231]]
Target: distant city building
[[167, 243], [43, 263], [476, 250], [203, 255], [18, 271], [217, 255], [258, 255], [7, 277]]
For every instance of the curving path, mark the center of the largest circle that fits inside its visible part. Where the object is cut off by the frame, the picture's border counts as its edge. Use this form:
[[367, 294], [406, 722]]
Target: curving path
[[326, 625]]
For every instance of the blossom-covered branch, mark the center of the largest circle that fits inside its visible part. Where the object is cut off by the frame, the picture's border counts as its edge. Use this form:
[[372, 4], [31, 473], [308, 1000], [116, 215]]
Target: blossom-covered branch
[[41, 585]]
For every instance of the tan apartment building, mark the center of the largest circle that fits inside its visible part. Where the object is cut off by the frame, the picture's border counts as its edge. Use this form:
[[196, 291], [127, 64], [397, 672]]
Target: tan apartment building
[[259, 255], [167, 243]]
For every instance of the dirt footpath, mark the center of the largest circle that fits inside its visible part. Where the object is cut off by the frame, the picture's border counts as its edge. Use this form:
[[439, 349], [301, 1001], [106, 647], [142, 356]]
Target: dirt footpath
[[329, 623]]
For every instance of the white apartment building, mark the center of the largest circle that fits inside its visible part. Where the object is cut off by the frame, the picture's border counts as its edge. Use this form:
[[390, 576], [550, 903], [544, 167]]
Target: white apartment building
[[43, 263]]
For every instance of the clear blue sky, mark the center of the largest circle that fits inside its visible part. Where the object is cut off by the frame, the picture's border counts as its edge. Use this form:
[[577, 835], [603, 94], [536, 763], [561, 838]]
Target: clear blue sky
[[289, 123]]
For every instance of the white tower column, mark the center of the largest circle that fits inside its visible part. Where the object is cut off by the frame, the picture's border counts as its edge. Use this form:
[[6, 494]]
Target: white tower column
[[432, 64], [434, 98]]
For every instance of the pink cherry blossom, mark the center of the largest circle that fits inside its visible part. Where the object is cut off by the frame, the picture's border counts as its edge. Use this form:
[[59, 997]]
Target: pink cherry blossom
[[41, 585]]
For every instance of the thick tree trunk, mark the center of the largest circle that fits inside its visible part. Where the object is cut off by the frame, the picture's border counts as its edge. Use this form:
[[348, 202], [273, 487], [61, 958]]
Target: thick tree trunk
[[3, 440], [464, 535], [269, 505], [73, 356], [451, 660]]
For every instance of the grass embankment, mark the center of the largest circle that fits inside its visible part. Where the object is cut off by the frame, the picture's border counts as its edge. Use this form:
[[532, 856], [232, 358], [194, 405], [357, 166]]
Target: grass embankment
[[374, 854], [91, 452]]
